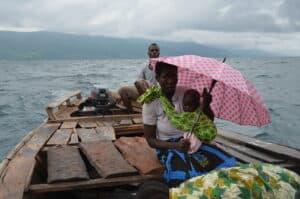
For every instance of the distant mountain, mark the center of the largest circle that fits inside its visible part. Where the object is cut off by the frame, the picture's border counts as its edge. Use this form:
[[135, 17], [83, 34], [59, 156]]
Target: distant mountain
[[51, 45]]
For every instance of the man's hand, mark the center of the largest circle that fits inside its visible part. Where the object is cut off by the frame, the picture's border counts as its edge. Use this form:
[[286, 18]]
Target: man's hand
[[141, 85], [207, 98]]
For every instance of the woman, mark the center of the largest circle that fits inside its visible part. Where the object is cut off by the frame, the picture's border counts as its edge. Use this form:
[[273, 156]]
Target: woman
[[163, 136]]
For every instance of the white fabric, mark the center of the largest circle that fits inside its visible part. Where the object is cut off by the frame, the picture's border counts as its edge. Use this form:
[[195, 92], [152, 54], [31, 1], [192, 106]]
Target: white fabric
[[153, 114], [148, 75]]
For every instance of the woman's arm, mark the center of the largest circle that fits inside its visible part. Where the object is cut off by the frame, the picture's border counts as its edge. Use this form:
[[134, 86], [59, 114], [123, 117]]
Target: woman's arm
[[150, 134]]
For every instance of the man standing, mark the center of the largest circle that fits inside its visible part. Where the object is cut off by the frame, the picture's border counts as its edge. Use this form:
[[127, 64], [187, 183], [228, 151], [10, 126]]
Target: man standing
[[145, 79]]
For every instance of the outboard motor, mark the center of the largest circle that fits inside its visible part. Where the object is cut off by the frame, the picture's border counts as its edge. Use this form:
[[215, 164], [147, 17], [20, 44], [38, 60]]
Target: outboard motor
[[100, 100], [103, 100]]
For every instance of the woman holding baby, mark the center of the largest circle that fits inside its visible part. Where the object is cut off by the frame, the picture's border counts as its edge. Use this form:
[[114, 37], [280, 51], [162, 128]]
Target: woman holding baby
[[169, 113]]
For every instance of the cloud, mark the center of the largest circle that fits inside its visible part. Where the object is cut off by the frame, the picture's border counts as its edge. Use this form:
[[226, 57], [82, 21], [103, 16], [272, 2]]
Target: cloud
[[237, 23]]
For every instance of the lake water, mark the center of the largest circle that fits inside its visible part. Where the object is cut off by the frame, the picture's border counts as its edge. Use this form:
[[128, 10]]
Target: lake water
[[26, 87]]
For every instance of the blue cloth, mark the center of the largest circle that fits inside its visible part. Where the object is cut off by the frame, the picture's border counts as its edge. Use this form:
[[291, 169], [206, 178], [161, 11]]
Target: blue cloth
[[180, 166]]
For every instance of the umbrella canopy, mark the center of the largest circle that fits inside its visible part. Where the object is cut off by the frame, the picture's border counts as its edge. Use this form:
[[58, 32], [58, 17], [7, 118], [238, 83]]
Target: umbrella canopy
[[234, 98]]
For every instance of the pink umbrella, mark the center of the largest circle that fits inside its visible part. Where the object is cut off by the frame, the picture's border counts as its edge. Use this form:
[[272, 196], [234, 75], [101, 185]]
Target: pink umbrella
[[234, 97]]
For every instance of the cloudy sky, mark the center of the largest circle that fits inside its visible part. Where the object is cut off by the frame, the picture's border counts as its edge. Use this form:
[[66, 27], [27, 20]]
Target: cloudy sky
[[269, 25]]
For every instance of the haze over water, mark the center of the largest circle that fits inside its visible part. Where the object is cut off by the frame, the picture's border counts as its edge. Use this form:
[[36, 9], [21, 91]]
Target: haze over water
[[26, 87]]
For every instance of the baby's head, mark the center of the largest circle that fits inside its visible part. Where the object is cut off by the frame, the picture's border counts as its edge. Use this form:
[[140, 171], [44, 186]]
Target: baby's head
[[191, 100]]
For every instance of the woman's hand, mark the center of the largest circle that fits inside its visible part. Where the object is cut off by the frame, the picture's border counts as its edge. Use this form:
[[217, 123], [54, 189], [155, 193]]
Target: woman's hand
[[183, 145]]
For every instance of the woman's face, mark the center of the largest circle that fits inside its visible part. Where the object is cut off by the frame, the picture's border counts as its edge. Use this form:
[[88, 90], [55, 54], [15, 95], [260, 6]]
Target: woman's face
[[168, 81]]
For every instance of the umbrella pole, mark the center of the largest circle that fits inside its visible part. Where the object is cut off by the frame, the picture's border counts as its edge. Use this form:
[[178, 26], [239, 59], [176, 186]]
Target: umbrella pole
[[213, 83]]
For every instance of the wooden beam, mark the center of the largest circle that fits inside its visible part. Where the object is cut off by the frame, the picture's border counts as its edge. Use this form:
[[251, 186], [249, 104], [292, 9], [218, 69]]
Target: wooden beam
[[90, 184], [240, 156], [249, 151], [267, 146]]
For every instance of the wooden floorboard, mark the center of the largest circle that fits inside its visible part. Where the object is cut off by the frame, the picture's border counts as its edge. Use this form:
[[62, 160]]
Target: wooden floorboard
[[106, 159], [106, 132], [74, 137], [139, 154], [88, 135], [68, 125], [87, 124], [60, 137], [65, 164]]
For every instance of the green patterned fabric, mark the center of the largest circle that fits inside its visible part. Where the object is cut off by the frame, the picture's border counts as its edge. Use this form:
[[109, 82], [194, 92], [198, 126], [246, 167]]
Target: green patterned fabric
[[205, 129], [247, 181]]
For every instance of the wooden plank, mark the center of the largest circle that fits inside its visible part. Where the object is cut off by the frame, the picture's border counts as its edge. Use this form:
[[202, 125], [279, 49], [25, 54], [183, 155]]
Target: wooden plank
[[65, 164], [60, 137], [91, 184], [19, 170], [85, 124], [125, 122], [139, 154], [137, 120], [248, 151], [106, 132], [88, 135], [106, 159], [273, 148], [240, 156], [61, 100], [74, 137], [68, 125]]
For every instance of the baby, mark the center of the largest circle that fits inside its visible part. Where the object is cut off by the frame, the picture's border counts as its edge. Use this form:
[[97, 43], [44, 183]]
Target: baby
[[190, 103]]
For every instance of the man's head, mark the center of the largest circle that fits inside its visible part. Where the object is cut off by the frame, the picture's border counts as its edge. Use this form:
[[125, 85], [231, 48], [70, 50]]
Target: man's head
[[153, 50]]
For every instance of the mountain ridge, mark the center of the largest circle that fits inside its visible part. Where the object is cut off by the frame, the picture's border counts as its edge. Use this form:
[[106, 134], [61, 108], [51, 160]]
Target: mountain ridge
[[53, 45]]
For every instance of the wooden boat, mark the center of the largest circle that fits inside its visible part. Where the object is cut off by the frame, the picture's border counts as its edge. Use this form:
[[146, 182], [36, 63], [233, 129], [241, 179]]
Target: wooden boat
[[104, 156]]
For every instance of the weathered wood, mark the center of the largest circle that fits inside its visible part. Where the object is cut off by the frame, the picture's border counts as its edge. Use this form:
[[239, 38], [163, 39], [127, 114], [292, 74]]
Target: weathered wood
[[60, 137], [240, 156], [90, 184], [248, 151], [68, 125], [137, 120], [65, 164], [105, 123], [63, 99], [125, 122], [88, 135], [133, 127], [106, 132], [85, 124], [106, 159], [139, 154], [20, 168], [267, 146], [74, 137]]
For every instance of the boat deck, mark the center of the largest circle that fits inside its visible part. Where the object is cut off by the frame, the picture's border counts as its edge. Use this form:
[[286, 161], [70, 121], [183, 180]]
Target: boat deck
[[92, 155]]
